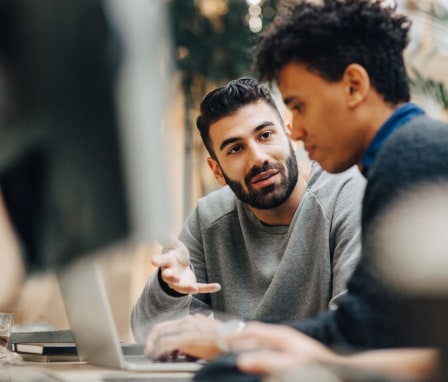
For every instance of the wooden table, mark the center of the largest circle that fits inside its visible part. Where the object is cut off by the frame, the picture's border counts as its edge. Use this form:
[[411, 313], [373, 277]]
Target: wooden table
[[81, 372]]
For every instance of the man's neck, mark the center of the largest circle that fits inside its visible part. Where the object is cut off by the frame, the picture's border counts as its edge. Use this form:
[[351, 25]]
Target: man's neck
[[373, 118], [399, 116]]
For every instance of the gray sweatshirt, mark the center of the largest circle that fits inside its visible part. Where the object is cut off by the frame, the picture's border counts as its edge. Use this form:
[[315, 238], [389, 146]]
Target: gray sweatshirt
[[266, 272]]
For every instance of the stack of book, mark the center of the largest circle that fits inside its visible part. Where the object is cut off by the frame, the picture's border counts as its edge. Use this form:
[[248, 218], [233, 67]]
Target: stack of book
[[46, 351]]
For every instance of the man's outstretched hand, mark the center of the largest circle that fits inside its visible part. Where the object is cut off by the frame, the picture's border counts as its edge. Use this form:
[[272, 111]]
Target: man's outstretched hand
[[176, 271]]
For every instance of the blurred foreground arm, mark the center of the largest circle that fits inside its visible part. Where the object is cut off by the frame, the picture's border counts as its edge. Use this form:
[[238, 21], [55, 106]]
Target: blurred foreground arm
[[273, 348], [12, 269]]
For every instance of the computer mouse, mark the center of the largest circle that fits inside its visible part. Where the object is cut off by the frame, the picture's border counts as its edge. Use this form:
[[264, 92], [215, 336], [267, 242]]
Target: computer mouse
[[223, 369]]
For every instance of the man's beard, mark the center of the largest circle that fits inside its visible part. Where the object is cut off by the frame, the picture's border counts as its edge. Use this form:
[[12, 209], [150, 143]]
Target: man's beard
[[273, 195]]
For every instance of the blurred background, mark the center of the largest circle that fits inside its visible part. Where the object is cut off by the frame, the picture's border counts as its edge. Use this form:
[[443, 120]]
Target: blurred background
[[206, 43]]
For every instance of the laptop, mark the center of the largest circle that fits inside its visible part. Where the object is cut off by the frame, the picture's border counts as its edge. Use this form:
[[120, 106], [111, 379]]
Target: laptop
[[91, 321]]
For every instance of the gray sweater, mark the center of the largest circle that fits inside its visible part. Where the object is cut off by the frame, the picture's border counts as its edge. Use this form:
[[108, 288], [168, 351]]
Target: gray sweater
[[266, 272]]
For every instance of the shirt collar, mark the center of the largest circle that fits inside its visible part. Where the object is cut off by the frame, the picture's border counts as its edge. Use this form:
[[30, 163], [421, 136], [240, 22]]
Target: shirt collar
[[400, 116]]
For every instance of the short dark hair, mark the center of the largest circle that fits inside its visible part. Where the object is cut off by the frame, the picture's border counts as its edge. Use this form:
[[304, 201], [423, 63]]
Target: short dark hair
[[328, 36], [228, 99]]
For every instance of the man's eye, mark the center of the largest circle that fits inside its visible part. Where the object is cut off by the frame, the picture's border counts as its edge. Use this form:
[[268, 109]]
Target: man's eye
[[297, 108], [235, 149], [266, 134]]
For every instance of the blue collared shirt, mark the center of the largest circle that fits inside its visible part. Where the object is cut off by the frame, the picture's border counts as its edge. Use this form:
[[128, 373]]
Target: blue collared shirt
[[400, 116]]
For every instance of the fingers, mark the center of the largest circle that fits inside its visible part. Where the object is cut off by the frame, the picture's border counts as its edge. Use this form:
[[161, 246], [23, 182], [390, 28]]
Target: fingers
[[174, 253], [184, 288], [268, 348], [194, 288], [168, 241], [256, 331], [174, 245], [176, 270], [208, 288], [281, 340], [192, 335], [182, 341], [153, 348], [168, 259], [156, 332], [187, 285], [265, 361], [258, 335]]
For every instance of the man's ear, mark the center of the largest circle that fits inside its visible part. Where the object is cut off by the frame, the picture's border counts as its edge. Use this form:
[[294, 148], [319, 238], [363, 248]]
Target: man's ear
[[288, 129], [357, 84], [216, 170]]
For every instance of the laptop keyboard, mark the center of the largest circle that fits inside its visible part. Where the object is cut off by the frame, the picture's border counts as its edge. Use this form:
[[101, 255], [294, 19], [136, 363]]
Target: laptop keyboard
[[140, 359]]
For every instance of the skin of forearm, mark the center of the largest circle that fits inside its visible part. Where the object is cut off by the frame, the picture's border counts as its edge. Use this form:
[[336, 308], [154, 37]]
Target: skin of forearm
[[12, 270], [402, 363]]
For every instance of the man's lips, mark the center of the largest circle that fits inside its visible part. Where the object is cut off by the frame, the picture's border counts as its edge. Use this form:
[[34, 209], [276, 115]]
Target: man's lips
[[310, 150], [263, 176]]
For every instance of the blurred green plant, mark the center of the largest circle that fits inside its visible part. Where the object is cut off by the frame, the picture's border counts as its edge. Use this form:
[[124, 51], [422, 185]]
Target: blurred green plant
[[427, 87], [213, 44]]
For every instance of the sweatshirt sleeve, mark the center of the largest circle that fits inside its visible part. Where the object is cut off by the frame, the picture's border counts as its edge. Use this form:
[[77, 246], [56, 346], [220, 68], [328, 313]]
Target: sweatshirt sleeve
[[155, 304]]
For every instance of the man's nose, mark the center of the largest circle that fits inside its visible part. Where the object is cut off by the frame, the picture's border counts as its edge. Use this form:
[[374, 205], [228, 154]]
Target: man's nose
[[257, 156], [297, 131]]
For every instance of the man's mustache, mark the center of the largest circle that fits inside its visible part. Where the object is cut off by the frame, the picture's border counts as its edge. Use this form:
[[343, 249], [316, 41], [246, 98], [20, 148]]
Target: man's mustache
[[259, 169]]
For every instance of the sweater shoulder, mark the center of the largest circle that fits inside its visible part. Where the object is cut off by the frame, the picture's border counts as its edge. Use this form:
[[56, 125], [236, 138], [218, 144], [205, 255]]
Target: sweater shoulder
[[414, 154], [419, 146], [328, 187], [420, 131], [216, 205]]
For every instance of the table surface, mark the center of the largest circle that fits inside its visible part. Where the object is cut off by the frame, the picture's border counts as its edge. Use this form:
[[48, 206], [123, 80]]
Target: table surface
[[81, 371]]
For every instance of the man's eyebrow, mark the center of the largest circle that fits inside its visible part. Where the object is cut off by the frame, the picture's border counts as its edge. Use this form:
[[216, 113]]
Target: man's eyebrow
[[229, 141]]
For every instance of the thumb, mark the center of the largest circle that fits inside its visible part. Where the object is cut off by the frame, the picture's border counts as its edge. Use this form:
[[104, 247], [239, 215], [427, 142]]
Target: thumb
[[168, 242]]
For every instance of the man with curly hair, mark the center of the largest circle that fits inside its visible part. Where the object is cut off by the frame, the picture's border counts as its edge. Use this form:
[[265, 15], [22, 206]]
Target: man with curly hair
[[340, 69]]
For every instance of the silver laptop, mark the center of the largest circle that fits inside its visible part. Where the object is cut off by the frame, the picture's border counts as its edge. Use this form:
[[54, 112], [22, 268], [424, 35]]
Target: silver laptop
[[91, 321]]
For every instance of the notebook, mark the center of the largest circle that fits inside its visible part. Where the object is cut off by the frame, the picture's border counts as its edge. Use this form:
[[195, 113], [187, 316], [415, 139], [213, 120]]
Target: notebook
[[53, 348], [49, 357], [91, 321]]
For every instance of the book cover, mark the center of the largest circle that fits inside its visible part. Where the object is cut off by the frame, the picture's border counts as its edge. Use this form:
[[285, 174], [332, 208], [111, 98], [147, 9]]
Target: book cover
[[40, 336], [46, 348], [49, 357]]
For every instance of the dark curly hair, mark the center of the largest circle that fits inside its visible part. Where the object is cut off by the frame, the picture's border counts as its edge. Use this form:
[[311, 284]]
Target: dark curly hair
[[329, 35], [226, 100]]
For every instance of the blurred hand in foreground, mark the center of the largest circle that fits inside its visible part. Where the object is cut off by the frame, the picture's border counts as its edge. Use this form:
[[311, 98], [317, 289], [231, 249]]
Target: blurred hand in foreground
[[194, 335], [274, 349], [270, 348]]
